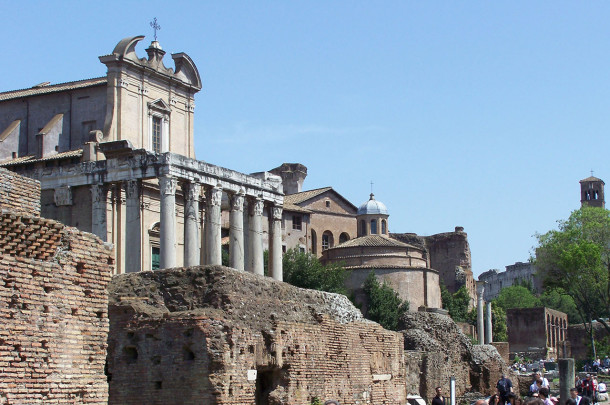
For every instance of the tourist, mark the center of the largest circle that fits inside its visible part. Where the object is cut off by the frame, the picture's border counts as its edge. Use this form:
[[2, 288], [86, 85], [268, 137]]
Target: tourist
[[535, 387], [505, 387], [570, 401], [494, 400], [544, 395], [588, 389], [543, 381], [574, 396], [439, 399], [601, 388], [606, 362]]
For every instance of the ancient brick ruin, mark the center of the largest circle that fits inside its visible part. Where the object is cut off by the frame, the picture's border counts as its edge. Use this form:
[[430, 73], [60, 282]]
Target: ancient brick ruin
[[436, 350], [216, 335], [53, 304]]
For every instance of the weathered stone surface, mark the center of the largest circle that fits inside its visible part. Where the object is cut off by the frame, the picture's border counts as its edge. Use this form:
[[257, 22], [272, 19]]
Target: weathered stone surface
[[437, 349], [195, 333]]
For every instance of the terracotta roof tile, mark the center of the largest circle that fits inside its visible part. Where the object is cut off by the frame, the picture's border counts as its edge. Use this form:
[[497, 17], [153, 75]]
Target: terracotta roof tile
[[372, 240], [32, 158], [298, 198], [35, 91]]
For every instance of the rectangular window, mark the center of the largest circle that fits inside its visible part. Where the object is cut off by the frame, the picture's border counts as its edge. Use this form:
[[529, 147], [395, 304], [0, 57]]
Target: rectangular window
[[297, 222], [154, 260], [156, 134]]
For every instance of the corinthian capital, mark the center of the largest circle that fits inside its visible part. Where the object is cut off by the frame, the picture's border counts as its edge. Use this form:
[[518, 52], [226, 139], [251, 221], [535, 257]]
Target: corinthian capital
[[191, 190], [276, 212], [214, 196], [237, 202], [167, 185], [257, 206]]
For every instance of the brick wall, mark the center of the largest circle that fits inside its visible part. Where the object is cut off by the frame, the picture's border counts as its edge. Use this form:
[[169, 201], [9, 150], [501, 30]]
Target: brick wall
[[19, 194], [198, 333], [53, 309]]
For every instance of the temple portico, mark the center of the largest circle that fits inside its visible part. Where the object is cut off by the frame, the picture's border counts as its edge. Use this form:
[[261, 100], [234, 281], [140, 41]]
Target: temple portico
[[196, 187]]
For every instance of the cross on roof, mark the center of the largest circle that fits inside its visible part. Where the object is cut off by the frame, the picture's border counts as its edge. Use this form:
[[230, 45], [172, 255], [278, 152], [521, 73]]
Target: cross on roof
[[155, 26]]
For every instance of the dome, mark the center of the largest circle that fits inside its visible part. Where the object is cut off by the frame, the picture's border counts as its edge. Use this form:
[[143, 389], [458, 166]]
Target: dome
[[372, 206]]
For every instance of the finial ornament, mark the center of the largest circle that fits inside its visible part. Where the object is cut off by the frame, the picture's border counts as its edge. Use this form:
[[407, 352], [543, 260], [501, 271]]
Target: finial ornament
[[155, 26], [371, 186], [591, 172]]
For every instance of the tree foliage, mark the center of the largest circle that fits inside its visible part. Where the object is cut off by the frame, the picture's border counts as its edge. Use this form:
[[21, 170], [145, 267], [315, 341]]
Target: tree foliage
[[456, 304], [384, 306], [305, 270], [516, 296], [556, 298], [576, 258]]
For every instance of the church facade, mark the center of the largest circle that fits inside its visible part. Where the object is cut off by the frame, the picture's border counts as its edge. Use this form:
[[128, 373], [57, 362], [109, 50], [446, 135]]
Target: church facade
[[115, 157]]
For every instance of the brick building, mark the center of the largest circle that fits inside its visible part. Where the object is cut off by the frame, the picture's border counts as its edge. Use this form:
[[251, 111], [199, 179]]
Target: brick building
[[53, 304], [538, 333]]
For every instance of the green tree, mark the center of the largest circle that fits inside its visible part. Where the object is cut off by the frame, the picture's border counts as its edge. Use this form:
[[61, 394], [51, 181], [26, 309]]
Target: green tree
[[384, 306], [576, 258], [446, 298], [456, 304], [557, 299], [516, 296], [498, 323], [305, 270]]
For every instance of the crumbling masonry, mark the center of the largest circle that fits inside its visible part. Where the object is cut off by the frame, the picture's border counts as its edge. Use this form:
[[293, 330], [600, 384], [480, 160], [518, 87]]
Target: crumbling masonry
[[53, 304]]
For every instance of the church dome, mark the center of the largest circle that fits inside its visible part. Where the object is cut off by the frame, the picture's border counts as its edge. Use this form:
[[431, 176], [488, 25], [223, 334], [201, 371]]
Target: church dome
[[372, 206]]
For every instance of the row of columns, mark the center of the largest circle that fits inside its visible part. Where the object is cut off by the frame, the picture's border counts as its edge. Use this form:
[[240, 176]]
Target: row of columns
[[242, 256]]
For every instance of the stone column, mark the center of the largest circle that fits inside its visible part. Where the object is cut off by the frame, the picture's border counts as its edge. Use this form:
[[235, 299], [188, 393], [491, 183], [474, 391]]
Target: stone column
[[191, 223], [167, 233], [488, 325], [246, 220], [213, 236], [480, 322], [133, 227], [99, 194], [256, 236], [236, 231], [275, 242], [566, 379]]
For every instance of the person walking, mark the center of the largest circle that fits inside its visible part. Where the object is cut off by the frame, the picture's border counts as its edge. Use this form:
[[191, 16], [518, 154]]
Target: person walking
[[505, 387], [574, 395]]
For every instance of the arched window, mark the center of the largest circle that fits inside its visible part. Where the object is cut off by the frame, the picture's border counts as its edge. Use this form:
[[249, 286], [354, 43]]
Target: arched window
[[384, 227], [344, 237], [327, 240], [362, 227], [373, 226], [314, 242]]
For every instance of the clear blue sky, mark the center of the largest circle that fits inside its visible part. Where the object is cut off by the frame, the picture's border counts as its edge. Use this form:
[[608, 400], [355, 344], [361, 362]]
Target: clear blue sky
[[479, 114]]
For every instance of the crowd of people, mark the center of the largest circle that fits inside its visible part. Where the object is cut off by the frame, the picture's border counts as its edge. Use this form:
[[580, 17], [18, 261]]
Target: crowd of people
[[586, 391]]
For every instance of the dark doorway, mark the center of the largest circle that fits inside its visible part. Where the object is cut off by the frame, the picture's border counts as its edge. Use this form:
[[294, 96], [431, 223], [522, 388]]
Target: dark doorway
[[267, 380]]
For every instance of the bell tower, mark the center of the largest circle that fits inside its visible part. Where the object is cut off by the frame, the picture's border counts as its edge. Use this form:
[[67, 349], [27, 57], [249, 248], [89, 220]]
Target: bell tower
[[592, 192]]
